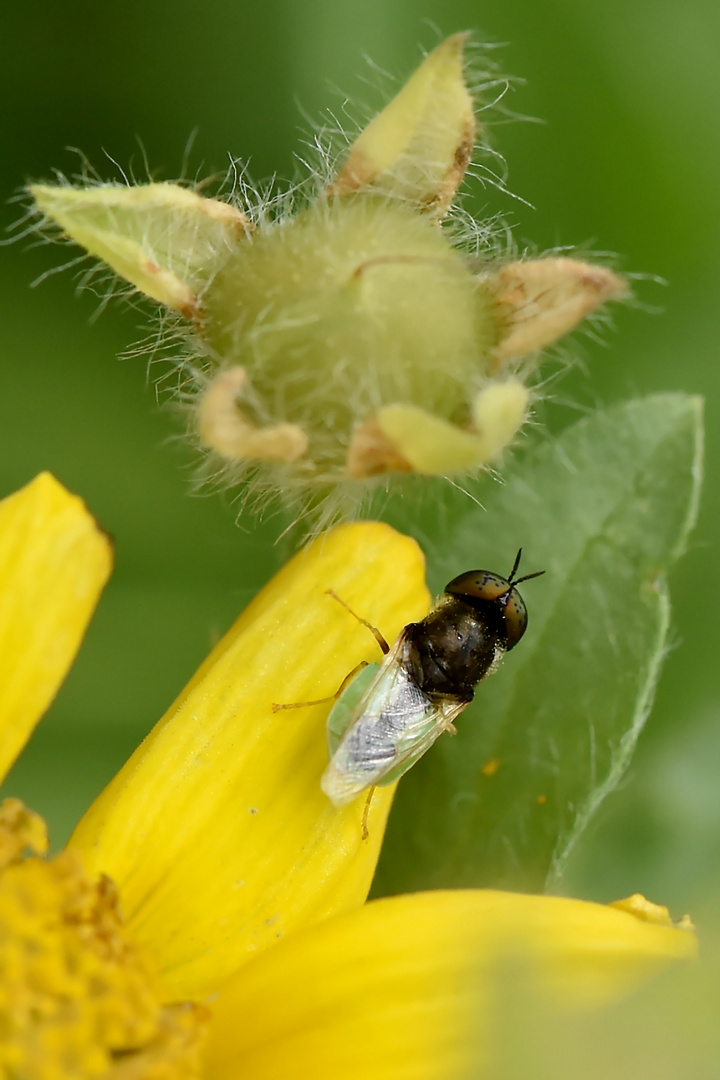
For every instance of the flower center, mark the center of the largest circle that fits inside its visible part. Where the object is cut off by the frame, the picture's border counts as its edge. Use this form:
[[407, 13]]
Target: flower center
[[76, 998]]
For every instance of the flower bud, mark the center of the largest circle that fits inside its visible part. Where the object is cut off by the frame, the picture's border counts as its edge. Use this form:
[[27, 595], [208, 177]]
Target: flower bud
[[354, 338]]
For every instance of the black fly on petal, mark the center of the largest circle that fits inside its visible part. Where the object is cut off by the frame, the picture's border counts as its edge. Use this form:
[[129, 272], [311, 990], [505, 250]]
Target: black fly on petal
[[391, 713]]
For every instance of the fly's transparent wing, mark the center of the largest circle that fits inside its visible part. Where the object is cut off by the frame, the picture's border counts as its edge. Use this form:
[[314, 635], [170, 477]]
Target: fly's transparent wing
[[346, 707], [391, 725], [416, 743]]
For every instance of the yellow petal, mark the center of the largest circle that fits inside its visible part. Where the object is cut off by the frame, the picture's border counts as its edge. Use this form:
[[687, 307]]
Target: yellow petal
[[162, 238], [54, 562], [216, 830], [405, 987], [419, 146]]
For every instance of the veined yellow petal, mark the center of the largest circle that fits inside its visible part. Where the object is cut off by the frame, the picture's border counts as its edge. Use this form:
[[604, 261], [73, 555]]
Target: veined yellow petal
[[54, 562], [216, 830], [405, 987]]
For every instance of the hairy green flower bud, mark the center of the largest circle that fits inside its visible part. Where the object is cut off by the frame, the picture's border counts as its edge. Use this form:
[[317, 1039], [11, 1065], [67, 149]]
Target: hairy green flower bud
[[353, 339]]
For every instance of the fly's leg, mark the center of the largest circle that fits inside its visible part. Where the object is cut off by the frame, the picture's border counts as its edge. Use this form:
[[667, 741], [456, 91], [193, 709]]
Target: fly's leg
[[373, 629], [366, 811], [324, 700], [355, 671]]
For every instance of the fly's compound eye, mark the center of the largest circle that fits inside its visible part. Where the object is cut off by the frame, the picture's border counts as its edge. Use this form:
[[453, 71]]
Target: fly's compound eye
[[516, 619], [485, 586], [478, 585]]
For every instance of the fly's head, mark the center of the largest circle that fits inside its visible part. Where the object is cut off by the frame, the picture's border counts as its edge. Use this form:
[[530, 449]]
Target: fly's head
[[480, 616], [496, 601]]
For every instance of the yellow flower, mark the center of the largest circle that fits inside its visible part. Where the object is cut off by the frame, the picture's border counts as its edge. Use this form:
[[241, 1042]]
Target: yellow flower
[[208, 917]]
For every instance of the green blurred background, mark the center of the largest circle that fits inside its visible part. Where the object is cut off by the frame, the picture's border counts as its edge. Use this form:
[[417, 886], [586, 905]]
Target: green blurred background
[[626, 160]]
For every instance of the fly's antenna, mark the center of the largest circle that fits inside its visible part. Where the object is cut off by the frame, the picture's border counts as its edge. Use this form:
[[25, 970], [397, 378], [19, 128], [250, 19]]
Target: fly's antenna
[[538, 573], [513, 572]]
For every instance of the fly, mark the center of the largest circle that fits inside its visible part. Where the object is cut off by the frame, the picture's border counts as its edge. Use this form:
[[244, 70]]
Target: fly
[[391, 713]]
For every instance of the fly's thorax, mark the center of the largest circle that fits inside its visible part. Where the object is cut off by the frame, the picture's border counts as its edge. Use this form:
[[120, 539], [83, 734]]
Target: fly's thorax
[[455, 646]]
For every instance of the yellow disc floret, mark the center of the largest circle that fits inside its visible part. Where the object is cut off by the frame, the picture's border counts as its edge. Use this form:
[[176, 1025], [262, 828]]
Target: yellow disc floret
[[77, 1000]]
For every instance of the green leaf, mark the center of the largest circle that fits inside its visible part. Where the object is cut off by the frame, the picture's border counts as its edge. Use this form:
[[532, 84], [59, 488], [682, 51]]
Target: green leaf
[[604, 509]]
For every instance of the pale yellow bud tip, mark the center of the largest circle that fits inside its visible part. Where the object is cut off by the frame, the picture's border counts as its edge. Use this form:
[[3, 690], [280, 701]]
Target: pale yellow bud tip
[[499, 411], [223, 428], [406, 438], [162, 238], [539, 300], [418, 148]]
